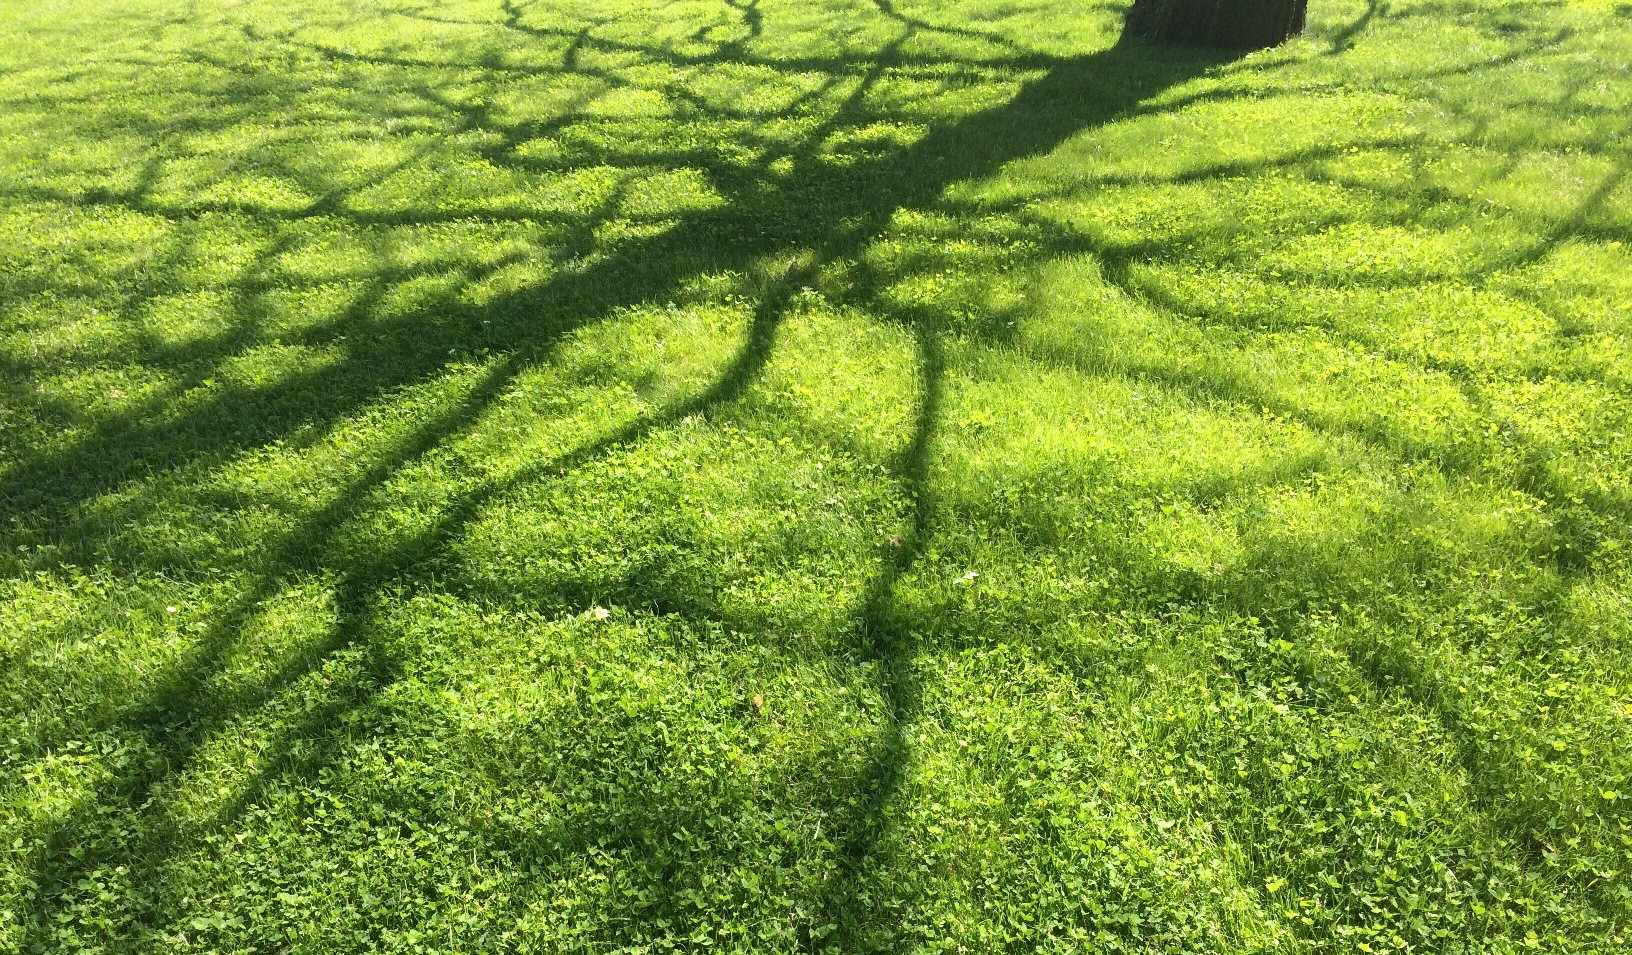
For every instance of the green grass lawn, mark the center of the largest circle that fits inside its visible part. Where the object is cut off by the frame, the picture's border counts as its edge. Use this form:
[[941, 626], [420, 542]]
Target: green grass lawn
[[813, 476]]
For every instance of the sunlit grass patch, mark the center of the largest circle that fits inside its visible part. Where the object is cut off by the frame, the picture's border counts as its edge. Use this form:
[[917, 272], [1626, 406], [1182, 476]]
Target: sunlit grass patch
[[813, 476]]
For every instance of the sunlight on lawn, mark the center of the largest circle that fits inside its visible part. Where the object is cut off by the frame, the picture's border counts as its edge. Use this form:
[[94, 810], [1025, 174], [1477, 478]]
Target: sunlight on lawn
[[819, 476]]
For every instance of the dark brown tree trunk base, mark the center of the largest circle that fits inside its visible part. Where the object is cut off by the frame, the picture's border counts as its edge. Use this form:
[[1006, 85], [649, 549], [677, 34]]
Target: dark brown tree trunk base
[[1228, 24]]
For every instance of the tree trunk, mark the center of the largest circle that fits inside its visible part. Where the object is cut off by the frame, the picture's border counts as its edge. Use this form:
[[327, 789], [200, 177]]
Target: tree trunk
[[1231, 24]]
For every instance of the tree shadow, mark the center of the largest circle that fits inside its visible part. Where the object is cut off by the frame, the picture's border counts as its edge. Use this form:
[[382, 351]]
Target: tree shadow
[[813, 214], [797, 213]]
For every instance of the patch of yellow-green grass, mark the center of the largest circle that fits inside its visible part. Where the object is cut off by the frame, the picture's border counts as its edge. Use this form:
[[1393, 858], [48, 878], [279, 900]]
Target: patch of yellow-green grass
[[813, 476]]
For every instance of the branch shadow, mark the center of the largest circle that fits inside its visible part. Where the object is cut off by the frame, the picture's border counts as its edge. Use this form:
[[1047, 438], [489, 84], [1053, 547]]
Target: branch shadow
[[817, 214], [791, 212]]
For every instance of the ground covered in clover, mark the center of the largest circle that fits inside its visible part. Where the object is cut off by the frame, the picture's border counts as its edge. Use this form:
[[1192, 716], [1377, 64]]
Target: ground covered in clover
[[824, 476]]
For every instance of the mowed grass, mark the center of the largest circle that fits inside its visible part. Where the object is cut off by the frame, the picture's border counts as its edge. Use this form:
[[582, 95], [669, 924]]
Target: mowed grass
[[813, 476]]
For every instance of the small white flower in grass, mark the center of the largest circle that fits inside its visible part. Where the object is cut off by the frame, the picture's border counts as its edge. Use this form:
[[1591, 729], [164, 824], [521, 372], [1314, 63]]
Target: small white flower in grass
[[968, 578], [170, 610], [600, 613]]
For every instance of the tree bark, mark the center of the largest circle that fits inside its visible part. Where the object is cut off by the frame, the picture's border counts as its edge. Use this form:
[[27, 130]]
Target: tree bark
[[1230, 24]]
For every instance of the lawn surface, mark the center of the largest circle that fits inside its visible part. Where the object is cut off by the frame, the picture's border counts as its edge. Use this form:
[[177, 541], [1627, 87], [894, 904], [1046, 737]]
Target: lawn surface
[[813, 476]]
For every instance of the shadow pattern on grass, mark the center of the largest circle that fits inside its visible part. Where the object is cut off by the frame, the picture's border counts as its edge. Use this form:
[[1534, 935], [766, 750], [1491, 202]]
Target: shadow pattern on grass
[[793, 217], [815, 216]]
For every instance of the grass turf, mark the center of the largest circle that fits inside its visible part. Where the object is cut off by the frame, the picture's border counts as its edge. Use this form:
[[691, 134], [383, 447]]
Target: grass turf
[[813, 476]]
